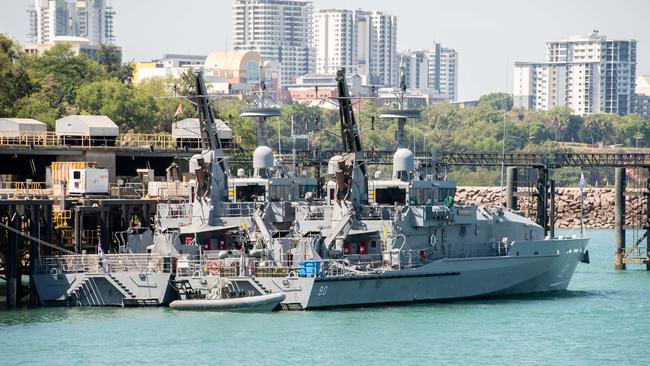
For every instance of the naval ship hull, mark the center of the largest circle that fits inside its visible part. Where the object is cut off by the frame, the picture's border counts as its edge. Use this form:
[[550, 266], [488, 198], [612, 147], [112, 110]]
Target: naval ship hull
[[442, 279], [104, 289], [114, 280]]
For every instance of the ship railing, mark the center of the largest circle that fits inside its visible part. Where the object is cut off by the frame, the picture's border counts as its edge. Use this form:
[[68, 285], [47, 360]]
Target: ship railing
[[228, 267], [126, 190], [347, 268], [315, 213], [108, 263], [239, 209], [174, 210], [378, 213]]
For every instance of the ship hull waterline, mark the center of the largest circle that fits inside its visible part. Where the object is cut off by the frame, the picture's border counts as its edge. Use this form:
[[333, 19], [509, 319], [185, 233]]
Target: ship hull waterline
[[440, 280]]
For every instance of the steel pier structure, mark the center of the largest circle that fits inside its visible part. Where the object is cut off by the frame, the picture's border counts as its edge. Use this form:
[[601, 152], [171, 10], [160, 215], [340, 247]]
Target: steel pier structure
[[28, 223]]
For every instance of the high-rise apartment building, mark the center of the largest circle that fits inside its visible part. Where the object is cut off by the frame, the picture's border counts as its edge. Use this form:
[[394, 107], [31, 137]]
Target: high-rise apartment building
[[90, 19], [280, 30], [590, 74], [433, 70], [364, 42], [642, 102]]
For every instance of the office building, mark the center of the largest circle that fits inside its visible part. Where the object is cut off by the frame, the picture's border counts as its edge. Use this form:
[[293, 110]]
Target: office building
[[280, 30], [591, 74], [364, 42], [642, 102], [433, 71], [89, 19]]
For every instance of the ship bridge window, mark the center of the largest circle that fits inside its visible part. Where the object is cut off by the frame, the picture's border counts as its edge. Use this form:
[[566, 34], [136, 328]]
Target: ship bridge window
[[445, 193], [390, 196], [421, 196], [304, 188], [280, 193], [249, 193]]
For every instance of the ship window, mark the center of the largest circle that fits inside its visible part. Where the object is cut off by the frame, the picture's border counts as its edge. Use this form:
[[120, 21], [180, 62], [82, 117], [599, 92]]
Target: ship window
[[249, 193], [443, 193], [421, 196], [76, 174], [304, 188], [280, 193], [389, 196]]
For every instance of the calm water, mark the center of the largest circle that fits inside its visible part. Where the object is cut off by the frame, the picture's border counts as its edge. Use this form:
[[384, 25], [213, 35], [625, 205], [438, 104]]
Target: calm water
[[603, 319]]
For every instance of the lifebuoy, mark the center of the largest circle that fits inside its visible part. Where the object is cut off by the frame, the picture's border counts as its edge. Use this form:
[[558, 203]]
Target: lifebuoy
[[214, 268], [54, 271]]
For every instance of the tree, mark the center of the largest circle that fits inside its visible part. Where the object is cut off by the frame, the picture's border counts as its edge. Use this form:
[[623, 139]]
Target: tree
[[499, 101], [36, 106], [14, 80], [161, 89], [598, 127], [110, 57], [64, 72], [559, 118], [126, 106], [632, 130]]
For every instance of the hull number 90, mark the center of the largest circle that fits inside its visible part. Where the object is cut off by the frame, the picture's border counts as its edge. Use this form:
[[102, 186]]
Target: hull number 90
[[322, 291]]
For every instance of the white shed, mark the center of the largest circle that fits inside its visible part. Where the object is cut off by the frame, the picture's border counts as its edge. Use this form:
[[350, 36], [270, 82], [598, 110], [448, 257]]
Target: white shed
[[189, 128], [15, 127], [81, 125]]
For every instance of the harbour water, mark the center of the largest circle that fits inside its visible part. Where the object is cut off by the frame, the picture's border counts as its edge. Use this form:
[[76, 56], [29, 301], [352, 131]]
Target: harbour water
[[601, 320]]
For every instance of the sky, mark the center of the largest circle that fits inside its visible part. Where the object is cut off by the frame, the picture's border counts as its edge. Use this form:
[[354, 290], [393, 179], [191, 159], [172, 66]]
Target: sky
[[489, 36]]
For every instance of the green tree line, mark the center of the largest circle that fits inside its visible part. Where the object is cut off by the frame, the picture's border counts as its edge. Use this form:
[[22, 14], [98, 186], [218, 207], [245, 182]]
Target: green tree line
[[59, 83]]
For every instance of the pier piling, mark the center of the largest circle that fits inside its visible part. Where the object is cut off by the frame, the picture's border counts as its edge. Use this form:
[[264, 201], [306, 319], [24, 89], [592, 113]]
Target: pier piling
[[552, 210], [619, 217], [511, 188], [12, 272], [34, 232]]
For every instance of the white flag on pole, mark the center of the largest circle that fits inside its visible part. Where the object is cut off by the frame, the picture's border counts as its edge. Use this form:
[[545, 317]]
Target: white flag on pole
[[581, 184]]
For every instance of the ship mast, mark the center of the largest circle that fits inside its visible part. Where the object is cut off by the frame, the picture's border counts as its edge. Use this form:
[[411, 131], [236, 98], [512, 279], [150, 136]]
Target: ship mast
[[351, 177], [210, 166]]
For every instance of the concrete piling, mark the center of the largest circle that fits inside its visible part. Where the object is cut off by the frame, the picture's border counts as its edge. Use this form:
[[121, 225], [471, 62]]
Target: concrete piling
[[619, 217], [511, 188]]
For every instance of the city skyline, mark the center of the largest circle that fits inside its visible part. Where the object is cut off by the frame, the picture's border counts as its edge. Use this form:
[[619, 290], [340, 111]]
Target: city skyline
[[489, 38]]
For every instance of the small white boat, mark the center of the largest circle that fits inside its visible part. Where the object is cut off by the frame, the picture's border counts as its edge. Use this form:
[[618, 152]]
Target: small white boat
[[247, 303], [230, 294]]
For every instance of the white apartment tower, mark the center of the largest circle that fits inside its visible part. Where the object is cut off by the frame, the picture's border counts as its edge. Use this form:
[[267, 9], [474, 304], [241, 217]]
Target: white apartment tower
[[364, 42], [590, 74], [280, 30], [90, 19], [433, 70]]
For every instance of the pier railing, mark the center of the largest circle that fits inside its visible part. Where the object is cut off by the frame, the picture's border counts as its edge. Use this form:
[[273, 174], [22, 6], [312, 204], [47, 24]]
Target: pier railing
[[93, 263], [24, 190], [123, 140]]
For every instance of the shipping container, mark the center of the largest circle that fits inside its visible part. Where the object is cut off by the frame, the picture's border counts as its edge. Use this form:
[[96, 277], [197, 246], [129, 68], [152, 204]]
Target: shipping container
[[61, 173], [88, 181]]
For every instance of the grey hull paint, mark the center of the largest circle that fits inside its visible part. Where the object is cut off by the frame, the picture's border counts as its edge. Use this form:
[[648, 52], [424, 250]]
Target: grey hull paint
[[104, 289], [444, 279]]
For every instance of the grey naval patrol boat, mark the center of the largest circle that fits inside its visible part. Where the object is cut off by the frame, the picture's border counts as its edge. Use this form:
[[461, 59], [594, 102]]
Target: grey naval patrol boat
[[192, 241], [405, 240]]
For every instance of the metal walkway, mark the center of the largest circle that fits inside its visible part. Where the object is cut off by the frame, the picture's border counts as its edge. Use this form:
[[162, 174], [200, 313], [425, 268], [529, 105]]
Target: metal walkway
[[547, 160]]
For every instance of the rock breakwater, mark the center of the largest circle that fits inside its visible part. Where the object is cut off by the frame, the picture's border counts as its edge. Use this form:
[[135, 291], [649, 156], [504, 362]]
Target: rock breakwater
[[598, 205]]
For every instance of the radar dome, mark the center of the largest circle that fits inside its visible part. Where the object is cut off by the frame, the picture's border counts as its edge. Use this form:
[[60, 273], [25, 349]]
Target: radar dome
[[333, 164], [263, 158], [403, 162]]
